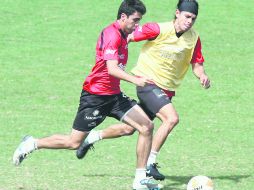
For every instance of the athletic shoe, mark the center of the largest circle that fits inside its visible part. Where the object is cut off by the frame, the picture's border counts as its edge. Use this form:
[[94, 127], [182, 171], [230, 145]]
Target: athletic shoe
[[147, 184], [83, 149], [26, 147], [152, 171]]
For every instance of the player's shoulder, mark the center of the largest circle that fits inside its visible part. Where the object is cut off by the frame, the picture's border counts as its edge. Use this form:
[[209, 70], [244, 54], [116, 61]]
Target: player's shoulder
[[193, 32], [112, 31]]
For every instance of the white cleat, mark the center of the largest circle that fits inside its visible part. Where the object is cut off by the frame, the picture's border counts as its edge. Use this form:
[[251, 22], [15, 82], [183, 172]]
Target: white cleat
[[26, 147], [147, 184]]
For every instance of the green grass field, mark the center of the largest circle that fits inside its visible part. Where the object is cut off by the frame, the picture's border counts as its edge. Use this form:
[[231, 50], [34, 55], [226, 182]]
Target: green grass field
[[47, 49]]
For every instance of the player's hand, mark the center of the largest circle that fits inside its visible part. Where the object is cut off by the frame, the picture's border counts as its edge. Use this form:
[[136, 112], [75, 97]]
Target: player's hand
[[204, 81], [142, 81], [130, 38]]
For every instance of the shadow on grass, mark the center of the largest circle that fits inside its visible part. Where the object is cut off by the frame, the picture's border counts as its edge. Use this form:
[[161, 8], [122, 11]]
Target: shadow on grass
[[177, 182], [174, 182]]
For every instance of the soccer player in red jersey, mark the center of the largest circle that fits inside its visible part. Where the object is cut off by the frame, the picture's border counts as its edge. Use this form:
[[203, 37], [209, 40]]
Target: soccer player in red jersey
[[101, 96], [170, 49]]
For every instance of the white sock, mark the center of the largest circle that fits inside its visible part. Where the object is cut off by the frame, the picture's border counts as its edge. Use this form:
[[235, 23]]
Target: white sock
[[30, 144], [152, 158], [35, 144], [93, 137], [139, 175]]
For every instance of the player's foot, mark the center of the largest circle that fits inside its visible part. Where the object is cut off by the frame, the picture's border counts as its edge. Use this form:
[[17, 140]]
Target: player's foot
[[147, 184], [83, 149], [152, 171], [26, 147]]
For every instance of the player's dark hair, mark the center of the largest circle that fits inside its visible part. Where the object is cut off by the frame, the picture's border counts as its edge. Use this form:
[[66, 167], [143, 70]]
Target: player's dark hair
[[129, 7], [188, 5]]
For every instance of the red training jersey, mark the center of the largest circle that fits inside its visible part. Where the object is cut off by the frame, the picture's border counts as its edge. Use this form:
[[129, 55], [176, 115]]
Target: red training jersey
[[111, 45], [150, 31]]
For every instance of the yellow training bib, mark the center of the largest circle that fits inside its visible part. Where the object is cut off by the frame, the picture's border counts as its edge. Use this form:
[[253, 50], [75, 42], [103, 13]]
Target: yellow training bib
[[167, 58]]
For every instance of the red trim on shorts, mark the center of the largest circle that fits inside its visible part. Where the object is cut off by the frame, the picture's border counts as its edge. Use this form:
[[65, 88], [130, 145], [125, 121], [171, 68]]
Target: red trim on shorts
[[169, 93]]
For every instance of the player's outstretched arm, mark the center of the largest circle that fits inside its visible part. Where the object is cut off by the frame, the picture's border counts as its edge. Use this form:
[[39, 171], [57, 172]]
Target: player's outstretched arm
[[199, 72], [116, 71]]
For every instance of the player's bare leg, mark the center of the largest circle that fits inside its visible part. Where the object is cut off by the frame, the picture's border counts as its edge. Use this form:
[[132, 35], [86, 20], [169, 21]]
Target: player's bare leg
[[169, 118], [140, 121], [58, 141]]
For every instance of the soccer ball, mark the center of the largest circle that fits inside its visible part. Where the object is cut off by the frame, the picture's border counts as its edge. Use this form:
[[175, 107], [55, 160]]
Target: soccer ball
[[200, 183]]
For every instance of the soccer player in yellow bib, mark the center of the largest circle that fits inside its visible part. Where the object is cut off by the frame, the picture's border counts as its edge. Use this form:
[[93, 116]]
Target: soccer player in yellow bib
[[171, 48]]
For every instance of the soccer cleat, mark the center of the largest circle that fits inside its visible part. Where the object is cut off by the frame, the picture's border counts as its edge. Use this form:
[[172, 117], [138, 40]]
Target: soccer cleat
[[152, 171], [83, 149], [26, 147], [147, 184]]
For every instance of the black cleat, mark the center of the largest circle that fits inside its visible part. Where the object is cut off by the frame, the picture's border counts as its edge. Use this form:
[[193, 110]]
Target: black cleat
[[83, 149], [152, 171]]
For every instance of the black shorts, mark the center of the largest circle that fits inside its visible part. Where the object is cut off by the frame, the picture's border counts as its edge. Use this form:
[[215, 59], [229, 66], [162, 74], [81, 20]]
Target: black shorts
[[93, 109], [151, 99]]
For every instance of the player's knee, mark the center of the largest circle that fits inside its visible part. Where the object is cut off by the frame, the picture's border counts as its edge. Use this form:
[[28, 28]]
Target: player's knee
[[172, 121], [147, 129], [175, 120]]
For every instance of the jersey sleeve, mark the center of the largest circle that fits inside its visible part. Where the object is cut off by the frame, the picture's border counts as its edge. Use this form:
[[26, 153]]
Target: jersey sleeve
[[148, 31], [197, 56], [112, 42]]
